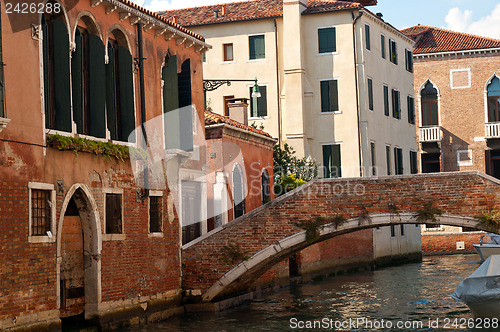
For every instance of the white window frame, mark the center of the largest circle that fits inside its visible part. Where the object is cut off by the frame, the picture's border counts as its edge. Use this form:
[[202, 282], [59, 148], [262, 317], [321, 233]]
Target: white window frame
[[464, 163], [317, 40], [42, 238], [113, 237], [452, 71], [155, 193], [338, 87]]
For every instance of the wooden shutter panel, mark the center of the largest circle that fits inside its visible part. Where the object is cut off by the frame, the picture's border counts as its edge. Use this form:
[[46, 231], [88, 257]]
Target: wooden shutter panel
[[111, 93], [327, 40], [76, 80], [262, 101], [336, 160], [398, 96], [370, 94], [62, 96], [46, 80], [386, 100], [333, 95], [185, 116], [251, 46], [170, 103], [257, 47], [97, 87], [325, 96], [126, 94]]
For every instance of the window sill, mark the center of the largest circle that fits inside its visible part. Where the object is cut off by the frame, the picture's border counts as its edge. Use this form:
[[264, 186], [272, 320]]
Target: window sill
[[327, 53], [257, 60], [3, 123], [326, 113], [155, 235], [41, 239], [227, 62], [259, 117], [113, 237]]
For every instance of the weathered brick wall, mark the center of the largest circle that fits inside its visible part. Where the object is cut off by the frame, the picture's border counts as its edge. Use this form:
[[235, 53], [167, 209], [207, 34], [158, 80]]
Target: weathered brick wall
[[438, 244], [463, 194], [462, 111]]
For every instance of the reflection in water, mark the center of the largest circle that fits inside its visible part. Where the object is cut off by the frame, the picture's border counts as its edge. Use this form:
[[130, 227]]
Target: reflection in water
[[411, 292]]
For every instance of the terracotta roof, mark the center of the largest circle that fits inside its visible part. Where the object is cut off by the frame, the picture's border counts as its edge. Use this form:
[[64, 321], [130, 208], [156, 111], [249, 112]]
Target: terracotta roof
[[212, 118], [436, 40], [163, 19], [252, 10]]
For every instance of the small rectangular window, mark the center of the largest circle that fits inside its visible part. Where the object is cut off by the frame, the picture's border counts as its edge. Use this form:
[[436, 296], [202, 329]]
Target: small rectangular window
[[113, 214], [257, 47], [204, 57], [228, 52], [411, 109], [329, 96], [259, 108], [370, 94], [327, 40], [388, 159], [402, 229], [386, 100], [393, 230], [396, 104], [367, 36], [409, 60], [226, 108], [413, 162], [373, 158], [155, 214], [332, 161], [398, 161], [382, 45], [393, 48], [41, 212]]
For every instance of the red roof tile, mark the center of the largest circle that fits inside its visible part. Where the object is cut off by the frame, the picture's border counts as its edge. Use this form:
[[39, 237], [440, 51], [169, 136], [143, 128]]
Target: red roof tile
[[212, 118], [252, 10], [435, 40]]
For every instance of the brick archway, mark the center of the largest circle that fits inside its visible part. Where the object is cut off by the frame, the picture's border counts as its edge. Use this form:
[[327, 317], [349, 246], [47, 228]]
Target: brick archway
[[269, 234]]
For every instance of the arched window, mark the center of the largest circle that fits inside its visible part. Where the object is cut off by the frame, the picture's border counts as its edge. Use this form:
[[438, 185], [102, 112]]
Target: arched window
[[238, 192], [266, 187], [494, 100], [429, 102], [56, 75], [88, 78], [119, 89]]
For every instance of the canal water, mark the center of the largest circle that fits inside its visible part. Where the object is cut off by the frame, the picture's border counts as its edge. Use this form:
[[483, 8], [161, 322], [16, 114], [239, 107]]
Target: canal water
[[416, 295]]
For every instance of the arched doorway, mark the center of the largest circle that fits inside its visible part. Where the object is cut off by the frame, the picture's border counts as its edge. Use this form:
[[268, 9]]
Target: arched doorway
[[78, 255]]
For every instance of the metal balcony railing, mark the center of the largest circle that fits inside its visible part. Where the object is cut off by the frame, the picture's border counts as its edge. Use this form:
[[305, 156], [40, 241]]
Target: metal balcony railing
[[430, 134], [492, 129]]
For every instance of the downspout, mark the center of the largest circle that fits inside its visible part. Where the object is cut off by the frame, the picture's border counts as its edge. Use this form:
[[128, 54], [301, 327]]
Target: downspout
[[145, 194], [354, 20], [277, 81]]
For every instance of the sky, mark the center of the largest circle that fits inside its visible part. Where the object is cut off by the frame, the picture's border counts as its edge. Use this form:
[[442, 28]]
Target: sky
[[480, 17]]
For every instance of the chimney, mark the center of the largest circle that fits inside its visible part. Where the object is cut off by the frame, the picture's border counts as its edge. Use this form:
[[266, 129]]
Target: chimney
[[175, 19], [238, 109], [380, 15], [216, 12], [224, 10]]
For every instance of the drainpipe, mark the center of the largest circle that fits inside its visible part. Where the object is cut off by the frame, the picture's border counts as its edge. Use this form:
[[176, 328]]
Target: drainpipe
[[277, 81], [354, 20], [143, 106]]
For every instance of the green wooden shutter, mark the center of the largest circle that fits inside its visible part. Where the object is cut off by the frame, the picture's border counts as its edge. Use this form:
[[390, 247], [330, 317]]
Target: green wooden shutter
[[367, 36], [97, 87], [62, 93], [111, 93], [327, 40], [257, 47], [382, 45], [171, 103], [126, 95], [370, 94], [333, 96], [325, 100], [259, 108], [46, 80], [186, 111], [76, 81], [394, 112], [332, 161], [386, 100], [398, 96]]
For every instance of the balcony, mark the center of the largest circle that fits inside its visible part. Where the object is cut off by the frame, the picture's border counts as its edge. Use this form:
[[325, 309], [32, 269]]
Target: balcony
[[430, 134], [492, 130]]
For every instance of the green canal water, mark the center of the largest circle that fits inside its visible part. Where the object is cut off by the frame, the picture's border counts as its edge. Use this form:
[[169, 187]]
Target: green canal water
[[418, 294]]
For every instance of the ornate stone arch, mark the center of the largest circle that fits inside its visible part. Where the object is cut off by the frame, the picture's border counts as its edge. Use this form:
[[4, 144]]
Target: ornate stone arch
[[422, 87]]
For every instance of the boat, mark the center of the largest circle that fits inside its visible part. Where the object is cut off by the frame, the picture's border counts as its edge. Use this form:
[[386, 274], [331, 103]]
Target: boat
[[489, 244], [481, 290]]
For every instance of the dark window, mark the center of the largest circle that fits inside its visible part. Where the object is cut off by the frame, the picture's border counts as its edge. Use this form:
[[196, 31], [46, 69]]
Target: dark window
[[370, 94], [367, 36], [226, 107], [431, 162], [238, 192], [398, 161], [41, 212], [228, 52], [494, 100], [327, 40], [373, 159], [388, 159], [386, 100], [429, 100], [185, 109], [396, 104], [266, 187], [329, 96], [257, 47], [332, 161], [393, 48], [382, 45], [191, 212], [155, 214], [259, 108], [402, 229], [119, 92], [56, 73], [113, 214], [410, 101], [413, 162], [409, 60], [2, 78], [393, 231], [204, 57]]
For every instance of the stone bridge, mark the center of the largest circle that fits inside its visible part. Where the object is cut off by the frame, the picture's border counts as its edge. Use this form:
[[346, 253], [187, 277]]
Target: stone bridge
[[269, 233]]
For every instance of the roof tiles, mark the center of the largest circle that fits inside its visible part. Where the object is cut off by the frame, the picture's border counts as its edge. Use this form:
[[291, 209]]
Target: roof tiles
[[435, 40], [212, 118]]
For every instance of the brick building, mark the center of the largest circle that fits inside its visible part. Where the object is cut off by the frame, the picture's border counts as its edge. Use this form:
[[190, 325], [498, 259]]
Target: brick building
[[457, 89], [81, 234]]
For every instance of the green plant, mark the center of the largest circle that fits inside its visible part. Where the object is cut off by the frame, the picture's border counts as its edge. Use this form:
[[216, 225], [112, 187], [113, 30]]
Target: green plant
[[364, 217], [79, 144], [253, 125], [312, 227], [339, 220], [393, 209], [428, 213], [288, 182], [232, 254], [489, 218]]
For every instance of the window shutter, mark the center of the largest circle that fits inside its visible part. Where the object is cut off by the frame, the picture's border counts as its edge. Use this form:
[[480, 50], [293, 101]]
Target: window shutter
[[111, 93], [76, 80], [97, 87], [398, 96], [126, 94], [382, 45], [332, 161], [386, 100], [62, 95], [262, 102], [393, 95], [333, 95], [170, 103], [46, 80], [327, 40], [370, 94], [325, 99], [186, 113], [367, 36]]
